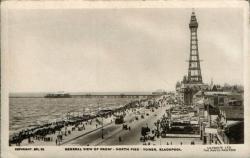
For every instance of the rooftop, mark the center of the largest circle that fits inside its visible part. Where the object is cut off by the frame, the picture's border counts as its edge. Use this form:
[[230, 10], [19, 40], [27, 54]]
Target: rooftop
[[233, 112], [211, 93]]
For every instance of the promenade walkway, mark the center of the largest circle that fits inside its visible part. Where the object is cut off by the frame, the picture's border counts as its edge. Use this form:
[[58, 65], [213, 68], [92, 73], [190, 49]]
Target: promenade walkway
[[176, 141], [182, 136], [74, 134]]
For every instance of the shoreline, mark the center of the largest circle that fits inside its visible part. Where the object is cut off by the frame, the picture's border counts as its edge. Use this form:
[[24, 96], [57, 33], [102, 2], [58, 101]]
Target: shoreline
[[18, 136], [57, 117]]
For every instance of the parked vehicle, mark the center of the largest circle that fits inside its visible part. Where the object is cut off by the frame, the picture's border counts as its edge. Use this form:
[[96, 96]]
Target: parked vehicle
[[151, 137], [143, 139], [125, 126], [119, 120]]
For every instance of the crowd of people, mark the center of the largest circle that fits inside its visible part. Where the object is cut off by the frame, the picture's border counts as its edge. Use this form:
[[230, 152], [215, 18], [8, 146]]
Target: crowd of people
[[41, 133], [37, 133]]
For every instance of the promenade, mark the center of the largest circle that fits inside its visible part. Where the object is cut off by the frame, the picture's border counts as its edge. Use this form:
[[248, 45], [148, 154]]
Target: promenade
[[128, 137], [90, 126], [112, 132], [93, 133]]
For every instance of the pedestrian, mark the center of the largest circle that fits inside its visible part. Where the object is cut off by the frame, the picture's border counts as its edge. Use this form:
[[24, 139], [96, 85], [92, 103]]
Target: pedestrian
[[120, 138], [56, 141], [181, 143]]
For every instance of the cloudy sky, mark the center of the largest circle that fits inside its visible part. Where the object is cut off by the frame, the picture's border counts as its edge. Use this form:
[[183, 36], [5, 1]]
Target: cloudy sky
[[119, 49]]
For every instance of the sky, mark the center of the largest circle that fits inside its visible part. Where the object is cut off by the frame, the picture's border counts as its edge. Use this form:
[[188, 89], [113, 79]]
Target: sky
[[114, 50]]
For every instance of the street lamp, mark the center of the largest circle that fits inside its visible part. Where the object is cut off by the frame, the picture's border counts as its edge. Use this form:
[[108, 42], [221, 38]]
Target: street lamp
[[102, 129], [102, 119]]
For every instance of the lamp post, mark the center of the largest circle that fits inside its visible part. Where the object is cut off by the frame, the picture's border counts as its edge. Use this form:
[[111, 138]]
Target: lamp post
[[102, 129], [102, 118]]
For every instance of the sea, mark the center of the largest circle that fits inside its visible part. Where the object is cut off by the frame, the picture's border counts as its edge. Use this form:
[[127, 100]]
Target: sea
[[30, 112]]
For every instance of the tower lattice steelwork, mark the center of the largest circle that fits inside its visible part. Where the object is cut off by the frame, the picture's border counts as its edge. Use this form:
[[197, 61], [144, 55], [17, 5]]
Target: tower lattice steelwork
[[194, 69], [192, 83]]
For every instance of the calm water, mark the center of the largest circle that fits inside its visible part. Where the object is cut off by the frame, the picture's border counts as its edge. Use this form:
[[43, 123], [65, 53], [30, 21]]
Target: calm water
[[29, 112]]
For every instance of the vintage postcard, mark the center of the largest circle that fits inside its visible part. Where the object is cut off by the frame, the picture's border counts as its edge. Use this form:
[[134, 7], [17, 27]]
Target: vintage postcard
[[123, 79]]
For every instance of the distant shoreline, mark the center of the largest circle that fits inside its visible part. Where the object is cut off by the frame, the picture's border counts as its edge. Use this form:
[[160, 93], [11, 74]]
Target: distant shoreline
[[89, 95], [92, 96], [24, 97]]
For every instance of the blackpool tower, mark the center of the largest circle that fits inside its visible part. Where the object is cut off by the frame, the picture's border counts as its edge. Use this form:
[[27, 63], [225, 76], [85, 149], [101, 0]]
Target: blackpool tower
[[192, 83], [194, 69]]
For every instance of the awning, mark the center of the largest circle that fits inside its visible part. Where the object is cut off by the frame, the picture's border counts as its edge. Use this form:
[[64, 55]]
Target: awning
[[232, 123], [201, 101], [211, 130]]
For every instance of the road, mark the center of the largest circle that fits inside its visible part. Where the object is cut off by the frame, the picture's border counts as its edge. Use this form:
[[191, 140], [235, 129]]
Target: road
[[112, 132]]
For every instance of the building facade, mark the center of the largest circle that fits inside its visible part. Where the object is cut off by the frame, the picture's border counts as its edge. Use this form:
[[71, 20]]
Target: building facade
[[221, 117]]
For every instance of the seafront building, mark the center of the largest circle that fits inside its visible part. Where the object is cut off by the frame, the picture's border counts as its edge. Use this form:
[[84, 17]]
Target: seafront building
[[221, 117], [131, 95]]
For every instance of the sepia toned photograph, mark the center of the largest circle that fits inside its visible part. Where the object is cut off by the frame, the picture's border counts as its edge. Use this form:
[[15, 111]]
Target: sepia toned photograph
[[131, 76], [123, 79]]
